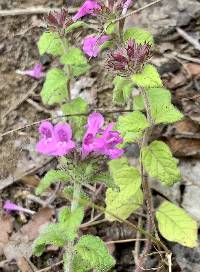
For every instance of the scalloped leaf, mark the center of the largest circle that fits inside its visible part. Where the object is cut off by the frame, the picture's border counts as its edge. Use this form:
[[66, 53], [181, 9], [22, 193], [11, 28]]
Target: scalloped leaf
[[122, 90], [51, 43], [148, 78], [140, 35], [92, 250], [51, 177], [131, 126], [55, 87], [129, 197], [159, 163], [176, 225]]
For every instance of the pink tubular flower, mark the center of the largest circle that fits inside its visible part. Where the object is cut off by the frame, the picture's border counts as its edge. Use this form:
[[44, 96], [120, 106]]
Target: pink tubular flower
[[126, 5], [95, 122], [91, 45], [10, 206], [87, 8], [100, 141], [36, 72], [55, 141]]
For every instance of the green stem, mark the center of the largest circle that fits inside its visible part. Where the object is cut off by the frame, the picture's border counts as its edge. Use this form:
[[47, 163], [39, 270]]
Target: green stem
[[70, 245]]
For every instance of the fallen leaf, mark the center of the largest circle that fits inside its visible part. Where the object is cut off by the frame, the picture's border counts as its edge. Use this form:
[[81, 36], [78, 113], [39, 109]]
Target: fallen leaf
[[24, 265], [192, 69], [6, 226], [30, 180], [20, 243]]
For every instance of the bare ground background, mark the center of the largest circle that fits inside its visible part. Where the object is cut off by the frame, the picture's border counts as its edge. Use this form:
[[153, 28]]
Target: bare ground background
[[21, 168]]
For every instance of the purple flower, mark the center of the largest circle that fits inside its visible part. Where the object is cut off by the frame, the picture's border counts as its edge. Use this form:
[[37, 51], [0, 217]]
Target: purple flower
[[91, 45], [63, 135], [95, 122], [36, 72], [10, 206], [126, 5], [100, 141], [55, 141], [87, 8], [106, 144]]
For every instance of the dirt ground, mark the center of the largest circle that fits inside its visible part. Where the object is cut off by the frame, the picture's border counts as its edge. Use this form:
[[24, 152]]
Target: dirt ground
[[178, 62]]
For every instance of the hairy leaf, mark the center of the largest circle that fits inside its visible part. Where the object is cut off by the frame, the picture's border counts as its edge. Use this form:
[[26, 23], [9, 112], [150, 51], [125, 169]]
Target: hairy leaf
[[55, 87], [176, 225], [129, 197], [106, 179], [76, 59], [148, 78], [159, 163], [122, 90], [140, 35], [76, 106], [132, 126], [51, 177], [162, 109], [51, 43], [94, 253], [59, 234]]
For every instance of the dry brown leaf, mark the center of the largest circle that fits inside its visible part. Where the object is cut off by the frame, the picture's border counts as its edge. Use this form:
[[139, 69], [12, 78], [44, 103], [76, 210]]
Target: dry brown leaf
[[20, 243], [24, 265], [30, 180], [192, 69], [6, 226]]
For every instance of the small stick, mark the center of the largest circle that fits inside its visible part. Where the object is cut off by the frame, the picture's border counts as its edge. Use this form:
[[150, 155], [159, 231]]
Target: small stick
[[138, 239], [49, 267], [31, 10], [125, 241], [188, 38]]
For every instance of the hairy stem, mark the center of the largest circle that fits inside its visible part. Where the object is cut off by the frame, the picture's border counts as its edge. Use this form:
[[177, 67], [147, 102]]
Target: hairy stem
[[70, 245], [145, 184]]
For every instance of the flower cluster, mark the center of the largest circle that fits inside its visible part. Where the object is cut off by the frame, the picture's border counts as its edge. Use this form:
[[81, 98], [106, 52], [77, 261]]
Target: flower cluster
[[89, 7], [130, 59], [57, 140]]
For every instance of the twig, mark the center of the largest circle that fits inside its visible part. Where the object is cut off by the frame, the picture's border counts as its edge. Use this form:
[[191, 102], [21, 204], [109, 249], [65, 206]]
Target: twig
[[138, 239], [188, 38], [124, 241], [49, 267], [31, 10], [185, 57], [61, 116]]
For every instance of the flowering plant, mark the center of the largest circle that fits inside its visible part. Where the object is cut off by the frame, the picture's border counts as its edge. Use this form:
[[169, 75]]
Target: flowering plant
[[90, 153]]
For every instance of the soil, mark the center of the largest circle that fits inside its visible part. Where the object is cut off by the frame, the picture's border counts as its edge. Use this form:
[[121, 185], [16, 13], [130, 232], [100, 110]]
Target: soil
[[20, 166]]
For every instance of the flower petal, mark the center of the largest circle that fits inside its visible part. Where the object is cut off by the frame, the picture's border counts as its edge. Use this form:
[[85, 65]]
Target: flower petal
[[87, 8]]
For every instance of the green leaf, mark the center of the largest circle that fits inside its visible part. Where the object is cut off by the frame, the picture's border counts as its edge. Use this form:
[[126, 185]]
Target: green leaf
[[140, 35], [76, 106], [76, 59], [106, 179], [110, 28], [138, 103], [55, 87], [94, 253], [159, 163], [59, 234], [176, 225], [129, 197], [122, 90], [74, 26], [148, 78], [51, 43], [162, 109], [131, 126], [51, 177]]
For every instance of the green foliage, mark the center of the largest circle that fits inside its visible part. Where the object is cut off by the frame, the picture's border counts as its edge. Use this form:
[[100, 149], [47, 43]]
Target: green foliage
[[94, 254], [110, 28], [130, 196], [51, 177], [84, 199], [162, 109], [148, 78], [75, 26], [140, 35], [176, 225], [76, 106], [132, 125], [51, 43], [55, 87], [122, 90], [76, 59], [60, 233], [159, 163], [106, 179]]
